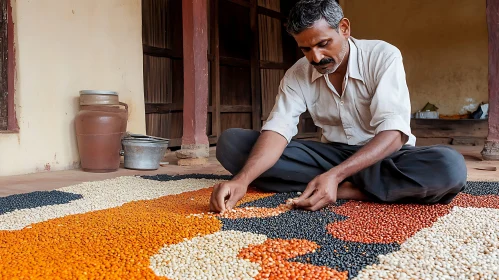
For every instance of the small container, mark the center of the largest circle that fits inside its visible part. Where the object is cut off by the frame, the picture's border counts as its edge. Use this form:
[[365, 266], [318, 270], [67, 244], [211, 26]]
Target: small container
[[143, 153], [427, 115]]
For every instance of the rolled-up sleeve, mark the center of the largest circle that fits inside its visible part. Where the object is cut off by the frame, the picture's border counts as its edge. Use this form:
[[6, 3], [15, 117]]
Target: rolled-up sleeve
[[288, 107], [391, 106]]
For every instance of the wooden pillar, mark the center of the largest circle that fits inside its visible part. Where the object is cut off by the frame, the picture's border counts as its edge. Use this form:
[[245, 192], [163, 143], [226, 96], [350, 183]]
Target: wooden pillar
[[195, 145], [491, 148]]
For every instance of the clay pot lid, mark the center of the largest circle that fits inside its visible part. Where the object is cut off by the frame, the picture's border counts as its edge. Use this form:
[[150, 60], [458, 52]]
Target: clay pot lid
[[98, 92]]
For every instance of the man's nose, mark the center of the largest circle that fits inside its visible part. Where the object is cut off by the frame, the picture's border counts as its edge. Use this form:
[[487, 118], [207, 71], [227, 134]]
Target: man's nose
[[316, 56]]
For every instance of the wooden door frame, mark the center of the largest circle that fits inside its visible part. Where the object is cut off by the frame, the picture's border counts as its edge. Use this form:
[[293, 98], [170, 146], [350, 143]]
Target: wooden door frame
[[8, 68]]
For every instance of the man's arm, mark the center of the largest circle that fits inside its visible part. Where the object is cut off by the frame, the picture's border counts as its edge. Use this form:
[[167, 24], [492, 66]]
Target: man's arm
[[278, 131], [322, 190], [390, 110], [267, 150], [381, 146]]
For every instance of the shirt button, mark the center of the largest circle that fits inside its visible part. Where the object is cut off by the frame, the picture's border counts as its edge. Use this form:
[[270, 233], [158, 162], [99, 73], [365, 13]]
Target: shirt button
[[348, 137], [341, 102]]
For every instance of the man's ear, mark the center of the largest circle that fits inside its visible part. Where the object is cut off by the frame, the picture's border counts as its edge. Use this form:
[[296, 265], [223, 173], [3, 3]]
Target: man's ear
[[344, 28]]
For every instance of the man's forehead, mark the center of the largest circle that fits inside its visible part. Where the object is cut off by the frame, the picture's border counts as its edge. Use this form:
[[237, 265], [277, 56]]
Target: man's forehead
[[312, 38], [315, 34]]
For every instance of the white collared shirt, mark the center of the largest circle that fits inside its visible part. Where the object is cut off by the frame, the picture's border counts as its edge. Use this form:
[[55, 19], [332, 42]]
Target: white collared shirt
[[375, 97]]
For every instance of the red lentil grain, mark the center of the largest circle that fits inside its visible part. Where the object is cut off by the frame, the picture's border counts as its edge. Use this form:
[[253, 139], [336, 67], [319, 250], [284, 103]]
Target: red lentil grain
[[386, 223], [272, 256]]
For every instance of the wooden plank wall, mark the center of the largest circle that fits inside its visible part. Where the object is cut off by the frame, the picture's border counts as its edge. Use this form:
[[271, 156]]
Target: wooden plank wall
[[249, 52], [278, 52], [235, 65], [163, 68]]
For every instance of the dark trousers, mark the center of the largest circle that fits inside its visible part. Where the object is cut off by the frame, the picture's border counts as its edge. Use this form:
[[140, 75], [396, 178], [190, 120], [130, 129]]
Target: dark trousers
[[426, 175]]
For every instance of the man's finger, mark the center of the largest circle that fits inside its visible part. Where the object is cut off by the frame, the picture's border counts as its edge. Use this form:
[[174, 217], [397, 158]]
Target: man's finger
[[220, 197], [309, 190], [214, 207], [319, 205], [308, 202], [231, 202]]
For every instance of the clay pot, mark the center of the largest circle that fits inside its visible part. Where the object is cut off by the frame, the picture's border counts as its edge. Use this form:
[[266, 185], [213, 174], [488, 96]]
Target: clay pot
[[99, 130]]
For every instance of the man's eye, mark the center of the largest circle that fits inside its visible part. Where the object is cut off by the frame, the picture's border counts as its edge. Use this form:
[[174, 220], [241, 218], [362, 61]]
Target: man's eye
[[322, 45]]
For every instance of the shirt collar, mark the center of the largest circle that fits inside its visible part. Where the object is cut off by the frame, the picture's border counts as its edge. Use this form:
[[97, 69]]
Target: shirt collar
[[353, 69]]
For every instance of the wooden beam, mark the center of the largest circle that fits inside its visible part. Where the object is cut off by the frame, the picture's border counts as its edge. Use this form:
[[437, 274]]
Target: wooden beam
[[244, 3], [163, 108], [236, 109], [439, 128], [232, 109], [235, 62], [161, 52], [215, 69], [231, 61], [255, 66], [195, 48], [271, 13], [491, 147], [264, 64], [13, 124]]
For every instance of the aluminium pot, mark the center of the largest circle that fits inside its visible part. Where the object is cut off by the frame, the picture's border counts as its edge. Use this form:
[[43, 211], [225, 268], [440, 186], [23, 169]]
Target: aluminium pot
[[143, 153]]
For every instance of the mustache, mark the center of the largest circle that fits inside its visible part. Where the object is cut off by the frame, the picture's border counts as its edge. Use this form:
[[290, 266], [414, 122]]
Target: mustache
[[323, 61]]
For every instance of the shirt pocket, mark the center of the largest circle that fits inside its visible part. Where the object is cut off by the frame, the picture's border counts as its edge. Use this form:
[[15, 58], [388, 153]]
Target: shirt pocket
[[362, 96], [325, 113], [363, 114]]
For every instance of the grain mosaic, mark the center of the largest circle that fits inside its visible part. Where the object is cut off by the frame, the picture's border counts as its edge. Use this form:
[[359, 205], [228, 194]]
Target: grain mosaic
[[160, 227]]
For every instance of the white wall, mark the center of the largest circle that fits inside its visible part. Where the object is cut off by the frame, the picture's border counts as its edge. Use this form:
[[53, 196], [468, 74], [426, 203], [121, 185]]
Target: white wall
[[63, 46]]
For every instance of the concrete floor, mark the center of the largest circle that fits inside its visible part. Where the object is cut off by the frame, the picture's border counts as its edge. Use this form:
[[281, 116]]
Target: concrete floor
[[58, 179]]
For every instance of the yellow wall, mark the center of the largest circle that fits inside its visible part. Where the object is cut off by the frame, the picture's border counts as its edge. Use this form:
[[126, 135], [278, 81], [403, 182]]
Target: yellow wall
[[63, 46], [444, 44]]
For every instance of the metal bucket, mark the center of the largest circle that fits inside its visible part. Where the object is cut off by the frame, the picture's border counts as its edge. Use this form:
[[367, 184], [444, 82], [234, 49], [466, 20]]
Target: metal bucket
[[143, 153]]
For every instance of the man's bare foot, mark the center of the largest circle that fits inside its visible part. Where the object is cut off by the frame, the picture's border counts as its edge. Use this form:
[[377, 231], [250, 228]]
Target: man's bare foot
[[347, 190]]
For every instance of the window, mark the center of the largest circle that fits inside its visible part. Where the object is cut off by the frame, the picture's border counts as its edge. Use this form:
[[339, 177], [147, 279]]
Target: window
[[7, 114]]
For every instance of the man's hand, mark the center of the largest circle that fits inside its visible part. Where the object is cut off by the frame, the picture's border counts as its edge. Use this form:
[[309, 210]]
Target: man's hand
[[225, 195], [320, 192]]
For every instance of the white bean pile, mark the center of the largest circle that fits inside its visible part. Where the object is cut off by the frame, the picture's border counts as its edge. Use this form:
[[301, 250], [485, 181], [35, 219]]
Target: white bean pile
[[461, 245], [212, 256]]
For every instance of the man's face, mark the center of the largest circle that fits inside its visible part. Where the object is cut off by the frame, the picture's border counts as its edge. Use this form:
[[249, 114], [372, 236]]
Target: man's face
[[324, 47]]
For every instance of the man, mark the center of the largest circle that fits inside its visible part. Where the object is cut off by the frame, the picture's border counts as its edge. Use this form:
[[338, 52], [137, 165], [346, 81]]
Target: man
[[355, 90]]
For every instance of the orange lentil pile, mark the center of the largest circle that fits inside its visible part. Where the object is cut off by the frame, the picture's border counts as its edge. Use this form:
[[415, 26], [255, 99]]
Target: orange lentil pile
[[114, 243], [387, 223], [273, 254]]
